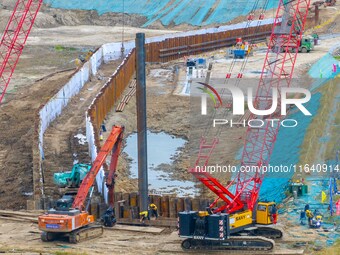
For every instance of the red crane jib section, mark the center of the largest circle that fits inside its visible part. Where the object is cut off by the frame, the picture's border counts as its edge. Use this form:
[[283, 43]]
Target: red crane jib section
[[277, 73], [112, 144], [14, 38]]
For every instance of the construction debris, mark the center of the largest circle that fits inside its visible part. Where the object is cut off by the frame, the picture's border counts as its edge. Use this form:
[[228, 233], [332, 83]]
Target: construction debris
[[127, 97]]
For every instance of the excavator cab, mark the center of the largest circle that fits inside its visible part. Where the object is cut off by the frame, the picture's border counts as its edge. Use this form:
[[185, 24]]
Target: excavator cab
[[64, 203], [263, 213]]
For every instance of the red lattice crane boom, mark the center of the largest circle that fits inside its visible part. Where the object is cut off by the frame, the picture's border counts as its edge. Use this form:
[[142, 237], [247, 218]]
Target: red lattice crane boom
[[14, 38], [277, 73]]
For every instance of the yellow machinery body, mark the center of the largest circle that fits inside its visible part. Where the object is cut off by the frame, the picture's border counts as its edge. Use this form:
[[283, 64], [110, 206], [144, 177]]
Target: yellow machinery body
[[263, 213], [245, 218], [241, 219]]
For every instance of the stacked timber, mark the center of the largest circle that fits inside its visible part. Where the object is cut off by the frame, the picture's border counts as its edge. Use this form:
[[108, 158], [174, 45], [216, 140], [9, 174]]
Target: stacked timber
[[19, 216], [126, 98]]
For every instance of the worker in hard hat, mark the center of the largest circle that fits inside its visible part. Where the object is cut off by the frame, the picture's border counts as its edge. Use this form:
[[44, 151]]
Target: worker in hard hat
[[316, 221], [274, 213], [318, 217], [306, 207], [153, 209], [143, 216], [310, 216]]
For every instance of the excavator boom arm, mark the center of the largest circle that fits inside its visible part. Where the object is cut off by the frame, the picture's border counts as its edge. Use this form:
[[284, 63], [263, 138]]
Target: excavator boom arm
[[114, 140], [110, 181]]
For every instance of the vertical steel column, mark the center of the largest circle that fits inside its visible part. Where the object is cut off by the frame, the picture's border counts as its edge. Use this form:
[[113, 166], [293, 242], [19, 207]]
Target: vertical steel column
[[141, 122], [317, 15]]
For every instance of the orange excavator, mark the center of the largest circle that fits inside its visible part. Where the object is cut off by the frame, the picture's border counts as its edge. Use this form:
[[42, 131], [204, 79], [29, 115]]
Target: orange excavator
[[70, 218]]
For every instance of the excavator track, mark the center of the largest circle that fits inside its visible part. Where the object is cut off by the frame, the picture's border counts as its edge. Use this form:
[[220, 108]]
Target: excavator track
[[85, 233], [48, 236], [245, 243]]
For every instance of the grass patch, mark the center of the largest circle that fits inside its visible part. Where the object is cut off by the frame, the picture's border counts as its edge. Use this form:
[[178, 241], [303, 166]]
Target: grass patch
[[63, 48], [12, 250], [69, 253], [311, 144], [337, 57]]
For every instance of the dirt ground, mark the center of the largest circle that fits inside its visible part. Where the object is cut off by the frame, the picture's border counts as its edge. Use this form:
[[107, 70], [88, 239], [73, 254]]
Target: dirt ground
[[24, 238], [17, 127]]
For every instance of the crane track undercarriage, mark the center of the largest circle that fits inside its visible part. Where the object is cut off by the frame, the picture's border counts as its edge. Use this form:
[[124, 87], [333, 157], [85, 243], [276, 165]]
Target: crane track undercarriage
[[250, 243], [256, 238]]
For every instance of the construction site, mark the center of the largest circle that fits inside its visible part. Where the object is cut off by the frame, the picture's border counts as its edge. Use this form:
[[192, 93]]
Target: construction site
[[170, 127]]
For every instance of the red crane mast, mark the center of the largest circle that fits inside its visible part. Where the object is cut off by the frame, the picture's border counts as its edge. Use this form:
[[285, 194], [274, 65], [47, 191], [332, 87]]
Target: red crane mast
[[277, 73], [14, 38]]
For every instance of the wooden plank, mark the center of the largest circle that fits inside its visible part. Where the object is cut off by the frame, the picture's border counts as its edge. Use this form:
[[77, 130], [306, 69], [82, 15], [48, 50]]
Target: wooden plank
[[120, 107], [126, 99], [18, 213], [20, 219], [123, 107], [133, 83], [160, 222], [151, 230], [131, 92]]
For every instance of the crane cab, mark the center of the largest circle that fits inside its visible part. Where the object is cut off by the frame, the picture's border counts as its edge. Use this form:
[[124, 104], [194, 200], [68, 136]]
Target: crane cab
[[263, 213]]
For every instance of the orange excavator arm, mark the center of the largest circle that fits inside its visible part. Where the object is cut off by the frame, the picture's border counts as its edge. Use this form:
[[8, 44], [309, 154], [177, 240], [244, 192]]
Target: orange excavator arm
[[110, 180], [113, 143]]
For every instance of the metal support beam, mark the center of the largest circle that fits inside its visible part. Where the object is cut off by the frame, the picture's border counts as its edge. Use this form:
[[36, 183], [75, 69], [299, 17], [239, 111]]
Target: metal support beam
[[317, 15], [141, 122]]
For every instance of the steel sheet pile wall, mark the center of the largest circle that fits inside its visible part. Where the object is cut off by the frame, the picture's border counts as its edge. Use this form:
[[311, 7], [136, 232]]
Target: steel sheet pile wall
[[197, 41], [112, 90], [102, 105], [168, 206], [174, 48]]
